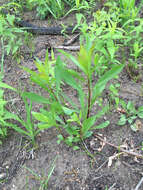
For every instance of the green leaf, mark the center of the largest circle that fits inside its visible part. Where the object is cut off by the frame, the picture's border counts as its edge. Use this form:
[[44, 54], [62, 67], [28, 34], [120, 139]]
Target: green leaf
[[102, 125], [88, 123], [9, 115], [96, 60], [140, 115], [63, 74], [123, 104], [44, 126], [76, 75], [58, 70], [87, 134], [100, 47], [18, 129], [68, 111], [75, 147], [140, 109], [40, 117], [10, 19], [122, 120], [111, 48], [131, 119], [59, 120], [72, 130], [84, 59], [60, 137], [100, 85], [3, 85], [74, 118], [36, 98], [113, 89], [38, 79], [72, 58], [130, 106]]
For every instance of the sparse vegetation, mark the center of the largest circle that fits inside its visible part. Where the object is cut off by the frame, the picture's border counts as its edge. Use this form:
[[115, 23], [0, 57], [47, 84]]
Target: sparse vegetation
[[110, 49]]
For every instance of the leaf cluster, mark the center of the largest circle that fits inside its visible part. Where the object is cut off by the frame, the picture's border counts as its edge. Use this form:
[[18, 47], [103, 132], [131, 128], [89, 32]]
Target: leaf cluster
[[131, 114], [10, 34], [74, 122]]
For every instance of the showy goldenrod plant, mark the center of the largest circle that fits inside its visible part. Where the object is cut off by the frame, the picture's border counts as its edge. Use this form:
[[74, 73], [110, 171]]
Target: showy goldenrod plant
[[74, 121]]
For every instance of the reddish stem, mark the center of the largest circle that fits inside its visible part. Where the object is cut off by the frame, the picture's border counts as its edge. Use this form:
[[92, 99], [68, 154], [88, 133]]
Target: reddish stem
[[89, 98]]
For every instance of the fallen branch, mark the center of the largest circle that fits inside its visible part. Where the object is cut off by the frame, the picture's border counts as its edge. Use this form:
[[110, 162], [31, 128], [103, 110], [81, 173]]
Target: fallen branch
[[119, 148]]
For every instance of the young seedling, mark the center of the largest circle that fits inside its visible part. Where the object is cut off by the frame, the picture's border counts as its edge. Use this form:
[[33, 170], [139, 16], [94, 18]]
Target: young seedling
[[43, 180], [114, 94], [10, 34], [4, 114], [29, 129], [130, 116]]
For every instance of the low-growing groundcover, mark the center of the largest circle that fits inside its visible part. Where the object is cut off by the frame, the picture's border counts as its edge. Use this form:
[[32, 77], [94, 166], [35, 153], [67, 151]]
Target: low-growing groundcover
[[99, 162]]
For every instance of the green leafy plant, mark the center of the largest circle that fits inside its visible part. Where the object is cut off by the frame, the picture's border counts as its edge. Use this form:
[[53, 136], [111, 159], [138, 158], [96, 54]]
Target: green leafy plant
[[57, 7], [60, 111], [43, 7], [11, 35], [107, 36], [115, 39], [133, 42], [128, 10], [130, 115], [5, 115], [79, 5], [27, 127]]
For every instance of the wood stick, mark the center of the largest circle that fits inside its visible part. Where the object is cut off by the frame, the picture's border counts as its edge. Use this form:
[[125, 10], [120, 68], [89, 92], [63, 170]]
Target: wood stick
[[70, 48], [119, 148], [139, 184]]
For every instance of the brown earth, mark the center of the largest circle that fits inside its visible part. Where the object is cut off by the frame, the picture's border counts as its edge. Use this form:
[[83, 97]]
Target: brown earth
[[74, 170]]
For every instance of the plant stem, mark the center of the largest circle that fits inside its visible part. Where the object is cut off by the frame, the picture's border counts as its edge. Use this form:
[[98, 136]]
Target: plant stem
[[89, 98], [57, 101]]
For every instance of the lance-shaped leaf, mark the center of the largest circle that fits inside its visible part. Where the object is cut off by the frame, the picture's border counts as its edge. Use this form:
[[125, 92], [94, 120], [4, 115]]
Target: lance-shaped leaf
[[100, 85]]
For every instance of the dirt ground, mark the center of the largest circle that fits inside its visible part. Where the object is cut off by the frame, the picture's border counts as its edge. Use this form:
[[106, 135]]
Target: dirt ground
[[74, 170]]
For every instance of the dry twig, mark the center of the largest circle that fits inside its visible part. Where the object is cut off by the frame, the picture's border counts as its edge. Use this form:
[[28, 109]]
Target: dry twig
[[139, 184], [119, 148], [70, 48], [71, 40]]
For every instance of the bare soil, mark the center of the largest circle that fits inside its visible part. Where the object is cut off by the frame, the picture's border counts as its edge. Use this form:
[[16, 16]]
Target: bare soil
[[74, 170]]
